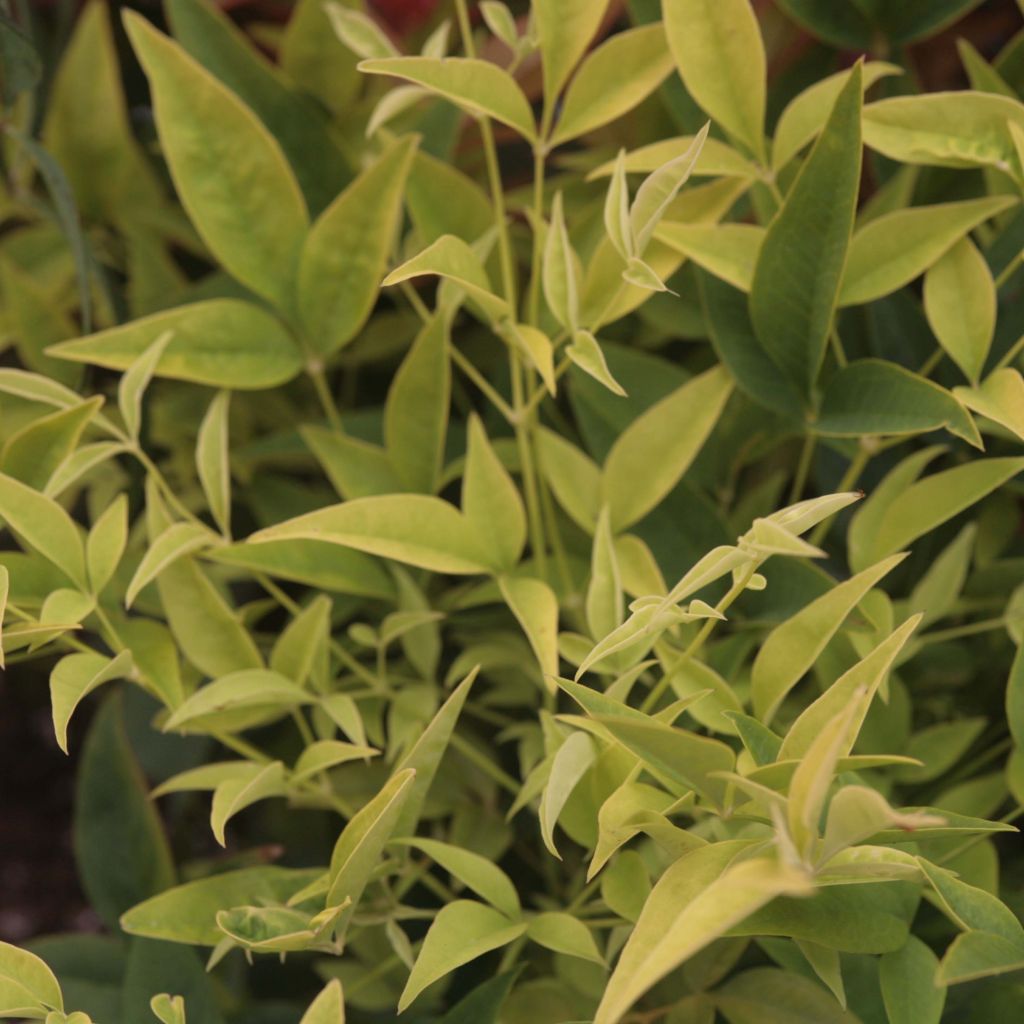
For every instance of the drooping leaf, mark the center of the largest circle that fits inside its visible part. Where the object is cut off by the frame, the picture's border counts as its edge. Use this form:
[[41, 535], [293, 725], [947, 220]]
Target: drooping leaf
[[73, 678]]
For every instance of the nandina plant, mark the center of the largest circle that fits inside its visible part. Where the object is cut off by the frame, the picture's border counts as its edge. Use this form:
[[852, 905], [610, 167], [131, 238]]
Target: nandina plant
[[543, 523]]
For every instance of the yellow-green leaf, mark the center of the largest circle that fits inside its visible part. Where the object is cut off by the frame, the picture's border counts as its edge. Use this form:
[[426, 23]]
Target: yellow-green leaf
[[535, 606], [212, 461], [73, 678]]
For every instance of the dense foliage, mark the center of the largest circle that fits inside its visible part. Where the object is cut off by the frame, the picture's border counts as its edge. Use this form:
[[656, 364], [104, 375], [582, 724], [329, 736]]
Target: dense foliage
[[455, 500]]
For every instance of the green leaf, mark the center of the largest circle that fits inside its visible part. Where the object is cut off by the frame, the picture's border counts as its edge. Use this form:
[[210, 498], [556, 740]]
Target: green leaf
[[412, 528], [487, 880], [177, 541], [612, 80], [766, 995], [535, 607], [572, 476], [460, 932], [924, 505], [327, 754], [73, 678], [874, 396], [212, 461], [187, 913], [617, 223], [296, 648], [573, 759], [168, 1009], [698, 899], [604, 605], [586, 353], [328, 1007], [800, 269], [248, 691], [226, 167], [34, 453], [491, 501], [5, 587], [357, 469], [1000, 398], [566, 934], [221, 342], [426, 753], [729, 251], [654, 452], [359, 32], [315, 59], [939, 747], [565, 29], [343, 258], [416, 413], [972, 908], [979, 954], [120, 848], [960, 303], [135, 380], [477, 86], [561, 270], [22, 67], [718, 50], [483, 1005], [892, 250], [232, 795], [946, 129], [26, 983], [44, 526], [908, 985], [805, 115]]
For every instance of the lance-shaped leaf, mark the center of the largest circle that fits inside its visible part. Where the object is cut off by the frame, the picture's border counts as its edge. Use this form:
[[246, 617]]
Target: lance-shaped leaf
[[249, 691], [698, 899], [857, 812], [656, 449], [560, 270], [106, 543], [328, 1007], [177, 541], [960, 303], [617, 223], [621, 73], [565, 29], [571, 762], [413, 528], [35, 452], [486, 879], [426, 753], [585, 352], [220, 342], [44, 526], [324, 754], [729, 251], [970, 907], [477, 86], [907, 979], [800, 269], [73, 678], [566, 934], [793, 646], [135, 380], [344, 255], [718, 50], [867, 677], [297, 648], [1000, 398], [259, 782], [359, 32], [213, 463], [535, 607], [26, 984], [604, 606], [461, 932], [979, 954], [358, 849], [226, 167], [491, 501], [892, 250]]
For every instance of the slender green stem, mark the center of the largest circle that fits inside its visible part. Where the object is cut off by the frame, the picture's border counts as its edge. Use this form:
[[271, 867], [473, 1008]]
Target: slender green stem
[[1011, 354], [803, 468], [484, 385], [161, 481], [538, 217], [541, 391], [837, 347], [485, 764], [969, 629], [528, 469], [931, 362], [1006, 819], [415, 301], [316, 374], [1008, 271]]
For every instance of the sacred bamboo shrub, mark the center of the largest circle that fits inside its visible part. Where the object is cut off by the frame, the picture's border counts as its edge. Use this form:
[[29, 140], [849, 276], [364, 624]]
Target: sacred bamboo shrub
[[586, 588]]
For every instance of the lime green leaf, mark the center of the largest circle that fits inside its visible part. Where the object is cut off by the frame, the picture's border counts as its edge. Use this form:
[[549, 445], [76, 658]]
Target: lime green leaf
[[729, 251], [344, 255], [416, 413], [491, 501], [924, 505], [357, 469], [671, 930], [561, 270], [248, 690], [1000, 398], [892, 250], [960, 303], [487, 880], [979, 954], [136, 379], [168, 1009], [535, 606], [874, 396], [226, 166], [604, 605], [946, 129], [857, 812], [326, 754], [564, 934], [718, 50], [296, 649], [73, 678], [328, 1007], [44, 526], [767, 995], [653, 453], [805, 115], [538, 349], [477, 86], [460, 932], [617, 76], [586, 353], [616, 210], [939, 747], [187, 913], [571, 762], [232, 795], [908, 984], [360, 33], [212, 461], [800, 269], [565, 29], [428, 193], [425, 756], [26, 983], [572, 476], [794, 645], [972, 908], [412, 528], [177, 541], [938, 589], [34, 453], [221, 342]]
